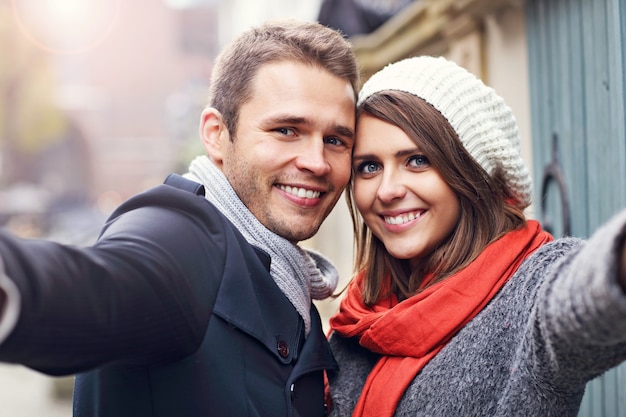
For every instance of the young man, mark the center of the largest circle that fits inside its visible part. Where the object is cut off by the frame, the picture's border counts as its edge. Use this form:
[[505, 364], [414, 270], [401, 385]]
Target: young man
[[194, 306]]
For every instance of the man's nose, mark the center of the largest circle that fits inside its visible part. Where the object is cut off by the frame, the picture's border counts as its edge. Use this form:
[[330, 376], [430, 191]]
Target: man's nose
[[313, 158]]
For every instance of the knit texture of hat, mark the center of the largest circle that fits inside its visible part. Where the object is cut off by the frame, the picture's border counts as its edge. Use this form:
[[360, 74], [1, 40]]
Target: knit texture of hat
[[481, 119]]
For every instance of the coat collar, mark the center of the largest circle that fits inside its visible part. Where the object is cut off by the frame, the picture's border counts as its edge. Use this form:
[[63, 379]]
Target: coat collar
[[250, 300]]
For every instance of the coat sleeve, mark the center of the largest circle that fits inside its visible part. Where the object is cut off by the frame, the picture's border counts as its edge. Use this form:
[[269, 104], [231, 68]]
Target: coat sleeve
[[9, 304], [141, 295], [581, 315]]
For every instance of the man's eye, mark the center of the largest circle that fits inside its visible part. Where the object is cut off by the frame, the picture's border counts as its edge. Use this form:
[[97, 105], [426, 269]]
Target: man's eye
[[285, 131], [419, 161], [333, 140]]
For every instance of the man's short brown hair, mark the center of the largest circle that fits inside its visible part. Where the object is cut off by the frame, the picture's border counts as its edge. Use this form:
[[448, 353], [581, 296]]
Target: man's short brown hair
[[285, 40]]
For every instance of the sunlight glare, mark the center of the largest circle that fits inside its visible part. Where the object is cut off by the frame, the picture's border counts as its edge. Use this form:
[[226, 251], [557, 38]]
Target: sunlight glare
[[66, 26]]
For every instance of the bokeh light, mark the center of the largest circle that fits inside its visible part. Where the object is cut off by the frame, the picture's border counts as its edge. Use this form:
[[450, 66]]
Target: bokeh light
[[66, 26]]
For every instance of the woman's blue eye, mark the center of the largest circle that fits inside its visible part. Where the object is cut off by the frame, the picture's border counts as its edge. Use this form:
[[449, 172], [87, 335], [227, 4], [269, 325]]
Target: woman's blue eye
[[367, 168], [419, 161]]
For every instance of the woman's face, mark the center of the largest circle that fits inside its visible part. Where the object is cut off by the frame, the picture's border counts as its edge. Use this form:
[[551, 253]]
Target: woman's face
[[403, 200]]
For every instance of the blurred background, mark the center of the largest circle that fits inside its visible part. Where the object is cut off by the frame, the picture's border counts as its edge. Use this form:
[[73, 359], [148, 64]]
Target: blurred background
[[100, 99]]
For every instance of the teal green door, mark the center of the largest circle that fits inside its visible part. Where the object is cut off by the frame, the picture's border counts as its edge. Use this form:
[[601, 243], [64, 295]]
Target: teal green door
[[577, 75]]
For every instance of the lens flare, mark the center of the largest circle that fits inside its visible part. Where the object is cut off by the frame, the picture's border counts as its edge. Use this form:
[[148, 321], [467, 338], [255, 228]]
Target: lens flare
[[66, 26]]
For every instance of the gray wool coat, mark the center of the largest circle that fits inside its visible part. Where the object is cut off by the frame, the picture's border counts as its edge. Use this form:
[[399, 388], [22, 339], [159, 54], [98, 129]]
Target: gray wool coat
[[559, 322]]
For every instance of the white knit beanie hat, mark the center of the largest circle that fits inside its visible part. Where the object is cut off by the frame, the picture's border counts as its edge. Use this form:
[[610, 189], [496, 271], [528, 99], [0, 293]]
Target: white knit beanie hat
[[481, 119]]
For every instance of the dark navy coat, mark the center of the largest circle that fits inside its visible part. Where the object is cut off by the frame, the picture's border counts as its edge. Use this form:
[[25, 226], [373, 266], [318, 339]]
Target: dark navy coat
[[170, 314]]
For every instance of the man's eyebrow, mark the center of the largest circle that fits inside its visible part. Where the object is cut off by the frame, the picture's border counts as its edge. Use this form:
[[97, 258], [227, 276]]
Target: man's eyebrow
[[298, 120], [287, 119], [344, 131]]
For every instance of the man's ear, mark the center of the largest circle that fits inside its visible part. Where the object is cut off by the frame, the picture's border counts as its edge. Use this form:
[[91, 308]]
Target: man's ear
[[214, 134]]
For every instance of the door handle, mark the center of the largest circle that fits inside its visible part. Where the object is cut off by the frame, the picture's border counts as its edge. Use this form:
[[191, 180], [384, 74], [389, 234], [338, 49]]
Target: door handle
[[553, 173]]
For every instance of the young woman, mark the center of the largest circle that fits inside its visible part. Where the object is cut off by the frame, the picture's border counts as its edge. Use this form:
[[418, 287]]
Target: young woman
[[462, 306]]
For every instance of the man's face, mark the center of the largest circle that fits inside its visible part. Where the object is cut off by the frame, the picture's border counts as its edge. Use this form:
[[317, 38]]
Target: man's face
[[290, 158]]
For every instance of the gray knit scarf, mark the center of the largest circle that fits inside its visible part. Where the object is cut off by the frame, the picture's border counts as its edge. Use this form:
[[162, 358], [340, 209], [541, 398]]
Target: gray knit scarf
[[299, 273]]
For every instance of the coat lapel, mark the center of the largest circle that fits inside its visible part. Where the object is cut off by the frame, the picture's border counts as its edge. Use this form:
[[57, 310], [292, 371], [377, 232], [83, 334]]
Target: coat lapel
[[250, 300]]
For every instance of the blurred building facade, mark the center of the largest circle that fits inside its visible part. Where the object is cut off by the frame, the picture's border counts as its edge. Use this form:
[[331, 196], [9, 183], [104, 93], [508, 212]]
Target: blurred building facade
[[133, 96], [125, 100]]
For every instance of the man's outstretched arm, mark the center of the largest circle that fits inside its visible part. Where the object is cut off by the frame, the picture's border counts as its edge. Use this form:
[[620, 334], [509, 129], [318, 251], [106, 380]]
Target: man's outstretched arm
[[9, 304]]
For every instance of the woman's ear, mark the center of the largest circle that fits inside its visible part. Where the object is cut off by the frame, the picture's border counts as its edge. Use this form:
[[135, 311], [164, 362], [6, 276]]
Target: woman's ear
[[214, 132]]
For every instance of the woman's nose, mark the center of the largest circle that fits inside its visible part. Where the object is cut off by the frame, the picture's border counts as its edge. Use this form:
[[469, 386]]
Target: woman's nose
[[391, 188]]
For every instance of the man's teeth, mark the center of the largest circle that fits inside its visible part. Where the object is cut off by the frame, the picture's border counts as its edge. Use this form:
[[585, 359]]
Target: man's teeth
[[401, 219], [300, 192]]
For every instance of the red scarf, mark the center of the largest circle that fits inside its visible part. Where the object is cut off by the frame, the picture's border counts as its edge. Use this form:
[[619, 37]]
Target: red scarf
[[411, 333]]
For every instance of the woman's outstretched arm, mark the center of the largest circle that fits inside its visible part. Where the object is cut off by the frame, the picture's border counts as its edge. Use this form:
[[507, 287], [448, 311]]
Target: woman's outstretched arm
[[621, 271]]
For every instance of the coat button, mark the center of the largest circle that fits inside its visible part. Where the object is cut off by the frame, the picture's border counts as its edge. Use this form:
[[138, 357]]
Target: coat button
[[283, 349]]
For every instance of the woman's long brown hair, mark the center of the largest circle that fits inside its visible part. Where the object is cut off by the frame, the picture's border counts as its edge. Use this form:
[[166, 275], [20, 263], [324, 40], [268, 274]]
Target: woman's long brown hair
[[486, 209]]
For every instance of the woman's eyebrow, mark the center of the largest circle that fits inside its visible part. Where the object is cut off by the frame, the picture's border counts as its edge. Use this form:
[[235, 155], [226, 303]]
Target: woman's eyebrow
[[406, 152], [399, 154], [363, 157]]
